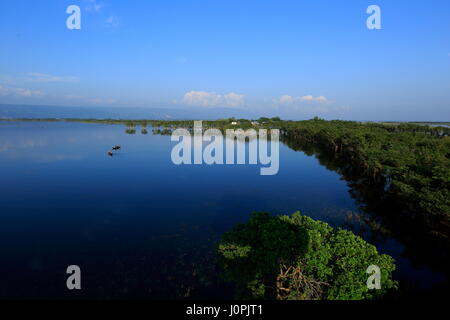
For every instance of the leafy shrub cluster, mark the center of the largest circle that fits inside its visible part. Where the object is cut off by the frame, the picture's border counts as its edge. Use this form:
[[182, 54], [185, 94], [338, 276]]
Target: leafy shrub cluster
[[296, 257]]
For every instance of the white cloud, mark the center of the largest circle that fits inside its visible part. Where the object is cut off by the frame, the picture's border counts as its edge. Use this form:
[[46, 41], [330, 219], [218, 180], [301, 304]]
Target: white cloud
[[286, 99], [21, 92], [212, 99], [308, 105], [233, 99], [311, 98], [289, 100]]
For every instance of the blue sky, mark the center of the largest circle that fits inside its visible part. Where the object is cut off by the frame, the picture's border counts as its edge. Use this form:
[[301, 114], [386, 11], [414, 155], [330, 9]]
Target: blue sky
[[296, 59]]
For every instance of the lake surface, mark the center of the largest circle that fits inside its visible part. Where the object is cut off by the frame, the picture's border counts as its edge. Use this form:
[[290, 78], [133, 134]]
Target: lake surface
[[140, 226]]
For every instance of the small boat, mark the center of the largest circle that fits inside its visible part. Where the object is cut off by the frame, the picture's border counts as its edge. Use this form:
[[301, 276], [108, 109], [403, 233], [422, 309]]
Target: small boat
[[110, 153], [116, 148]]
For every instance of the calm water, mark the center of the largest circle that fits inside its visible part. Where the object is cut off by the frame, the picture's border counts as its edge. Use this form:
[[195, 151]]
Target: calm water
[[138, 225]]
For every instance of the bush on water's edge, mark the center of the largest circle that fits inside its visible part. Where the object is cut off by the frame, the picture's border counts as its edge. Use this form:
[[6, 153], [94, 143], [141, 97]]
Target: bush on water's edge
[[295, 258]]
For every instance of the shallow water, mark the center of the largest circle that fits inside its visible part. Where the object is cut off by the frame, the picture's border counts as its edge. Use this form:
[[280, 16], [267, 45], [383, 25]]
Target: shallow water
[[138, 225]]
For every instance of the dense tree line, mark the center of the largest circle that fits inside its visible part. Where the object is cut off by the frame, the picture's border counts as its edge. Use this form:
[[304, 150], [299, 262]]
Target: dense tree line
[[411, 161]]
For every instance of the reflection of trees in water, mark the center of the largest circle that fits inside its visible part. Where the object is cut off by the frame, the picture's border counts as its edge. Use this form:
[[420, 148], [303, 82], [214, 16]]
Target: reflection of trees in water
[[131, 128], [380, 210], [162, 131], [144, 128]]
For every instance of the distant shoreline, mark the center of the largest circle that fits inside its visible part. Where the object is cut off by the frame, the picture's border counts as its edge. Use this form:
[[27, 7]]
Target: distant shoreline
[[150, 121]]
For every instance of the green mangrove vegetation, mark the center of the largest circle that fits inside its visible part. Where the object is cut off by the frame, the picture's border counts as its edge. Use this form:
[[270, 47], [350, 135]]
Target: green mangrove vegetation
[[410, 162], [296, 258]]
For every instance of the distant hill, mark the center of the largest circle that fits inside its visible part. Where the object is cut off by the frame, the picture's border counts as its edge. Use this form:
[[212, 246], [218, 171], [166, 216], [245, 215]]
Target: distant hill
[[32, 111]]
